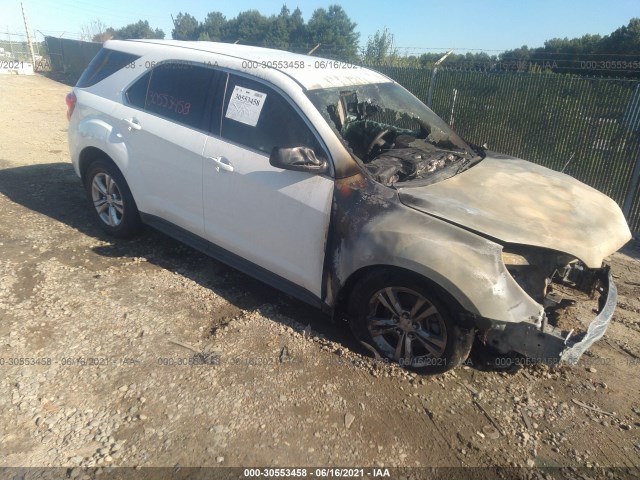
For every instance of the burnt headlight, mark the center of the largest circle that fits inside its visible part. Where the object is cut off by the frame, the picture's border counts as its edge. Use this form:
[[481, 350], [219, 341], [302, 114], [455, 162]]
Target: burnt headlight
[[531, 278], [511, 259], [533, 268]]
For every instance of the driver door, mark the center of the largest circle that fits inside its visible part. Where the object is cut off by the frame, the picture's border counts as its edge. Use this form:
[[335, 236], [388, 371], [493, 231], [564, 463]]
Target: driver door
[[277, 219]]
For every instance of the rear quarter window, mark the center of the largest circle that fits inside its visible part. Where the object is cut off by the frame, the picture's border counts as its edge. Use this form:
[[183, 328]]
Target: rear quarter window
[[105, 63]]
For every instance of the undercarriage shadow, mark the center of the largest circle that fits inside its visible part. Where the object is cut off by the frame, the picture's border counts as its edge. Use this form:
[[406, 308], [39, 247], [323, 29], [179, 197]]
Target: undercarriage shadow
[[54, 190]]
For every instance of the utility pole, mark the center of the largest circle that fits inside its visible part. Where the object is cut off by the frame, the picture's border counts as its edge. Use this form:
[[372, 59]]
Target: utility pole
[[26, 28], [10, 42], [36, 46]]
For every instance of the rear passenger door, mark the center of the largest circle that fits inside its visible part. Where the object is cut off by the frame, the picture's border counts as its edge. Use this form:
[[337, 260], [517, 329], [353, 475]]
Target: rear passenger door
[[164, 123], [277, 219]]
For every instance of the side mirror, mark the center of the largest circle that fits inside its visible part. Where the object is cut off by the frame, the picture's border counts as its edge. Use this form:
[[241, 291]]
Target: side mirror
[[301, 159]]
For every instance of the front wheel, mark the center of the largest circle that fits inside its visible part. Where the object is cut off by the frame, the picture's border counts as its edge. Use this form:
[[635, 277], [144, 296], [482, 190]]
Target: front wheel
[[111, 200], [408, 323]]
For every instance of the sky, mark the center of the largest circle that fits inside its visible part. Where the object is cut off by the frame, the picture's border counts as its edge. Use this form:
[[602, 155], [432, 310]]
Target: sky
[[418, 26]]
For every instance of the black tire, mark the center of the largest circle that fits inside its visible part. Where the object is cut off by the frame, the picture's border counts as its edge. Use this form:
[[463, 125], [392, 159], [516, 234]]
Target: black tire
[[430, 331], [117, 214]]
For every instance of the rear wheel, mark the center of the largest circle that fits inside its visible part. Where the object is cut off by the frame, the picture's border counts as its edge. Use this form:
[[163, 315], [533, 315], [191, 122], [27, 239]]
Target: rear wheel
[[408, 323], [111, 200]]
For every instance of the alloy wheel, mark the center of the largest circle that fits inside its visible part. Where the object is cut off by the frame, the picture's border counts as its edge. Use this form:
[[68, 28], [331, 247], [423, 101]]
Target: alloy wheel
[[107, 199], [406, 326]]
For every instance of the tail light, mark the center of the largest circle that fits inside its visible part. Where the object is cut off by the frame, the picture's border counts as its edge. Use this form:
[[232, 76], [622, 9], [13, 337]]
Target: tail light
[[71, 104]]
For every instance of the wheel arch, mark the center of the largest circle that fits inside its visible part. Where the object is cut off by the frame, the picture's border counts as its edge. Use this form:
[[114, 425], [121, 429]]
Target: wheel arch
[[344, 294], [90, 154], [97, 162], [95, 137]]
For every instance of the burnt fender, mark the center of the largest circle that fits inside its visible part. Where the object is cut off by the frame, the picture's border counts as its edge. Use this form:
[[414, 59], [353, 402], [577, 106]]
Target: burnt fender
[[371, 227]]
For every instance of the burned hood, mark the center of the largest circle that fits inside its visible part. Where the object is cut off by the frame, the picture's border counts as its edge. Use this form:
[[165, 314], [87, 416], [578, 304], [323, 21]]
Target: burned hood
[[515, 201]]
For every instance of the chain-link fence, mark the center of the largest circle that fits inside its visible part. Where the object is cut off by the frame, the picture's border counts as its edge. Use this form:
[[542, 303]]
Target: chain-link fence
[[590, 127], [15, 47]]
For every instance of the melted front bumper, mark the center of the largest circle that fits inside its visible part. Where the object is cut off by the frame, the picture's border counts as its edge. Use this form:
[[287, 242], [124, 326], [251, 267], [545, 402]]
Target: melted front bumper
[[552, 345], [597, 328]]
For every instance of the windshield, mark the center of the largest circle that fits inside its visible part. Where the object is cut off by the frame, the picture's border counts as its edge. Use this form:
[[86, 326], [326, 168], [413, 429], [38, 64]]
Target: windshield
[[396, 136]]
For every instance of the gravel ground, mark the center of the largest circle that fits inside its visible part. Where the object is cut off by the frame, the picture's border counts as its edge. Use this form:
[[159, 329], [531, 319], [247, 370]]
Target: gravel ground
[[146, 353]]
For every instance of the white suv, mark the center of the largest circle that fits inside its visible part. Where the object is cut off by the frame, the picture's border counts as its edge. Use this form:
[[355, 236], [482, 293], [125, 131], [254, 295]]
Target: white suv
[[336, 185]]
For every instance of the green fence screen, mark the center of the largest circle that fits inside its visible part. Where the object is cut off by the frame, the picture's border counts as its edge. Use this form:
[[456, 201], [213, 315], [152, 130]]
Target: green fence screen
[[593, 124]]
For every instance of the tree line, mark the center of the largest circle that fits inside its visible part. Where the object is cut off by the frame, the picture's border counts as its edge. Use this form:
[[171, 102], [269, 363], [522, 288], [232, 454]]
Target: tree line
[[330, 28], [331, 33], [616, 54]]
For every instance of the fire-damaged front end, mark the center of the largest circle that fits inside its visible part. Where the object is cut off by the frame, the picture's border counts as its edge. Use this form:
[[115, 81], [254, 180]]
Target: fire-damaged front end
[[557, 282], [555, 234], [514, 247]]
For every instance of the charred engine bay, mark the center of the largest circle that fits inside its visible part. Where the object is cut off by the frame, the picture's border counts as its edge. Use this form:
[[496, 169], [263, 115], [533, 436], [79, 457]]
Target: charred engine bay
[[413, 159]]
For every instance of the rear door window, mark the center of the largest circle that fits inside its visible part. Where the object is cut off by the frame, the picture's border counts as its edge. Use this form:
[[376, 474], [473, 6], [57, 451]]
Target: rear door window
[[178, 91], [137, 94]]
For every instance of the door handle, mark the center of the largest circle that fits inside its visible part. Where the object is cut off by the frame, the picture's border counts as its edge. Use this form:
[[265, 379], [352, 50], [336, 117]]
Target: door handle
[[133, 123], [221, 165]]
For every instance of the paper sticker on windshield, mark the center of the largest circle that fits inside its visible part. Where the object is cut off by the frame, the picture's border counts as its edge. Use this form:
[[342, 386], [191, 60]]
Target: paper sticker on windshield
[[245, 105]]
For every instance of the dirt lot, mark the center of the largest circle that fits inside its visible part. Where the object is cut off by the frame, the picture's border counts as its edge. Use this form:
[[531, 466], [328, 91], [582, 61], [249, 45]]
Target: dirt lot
[[106, 325]]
